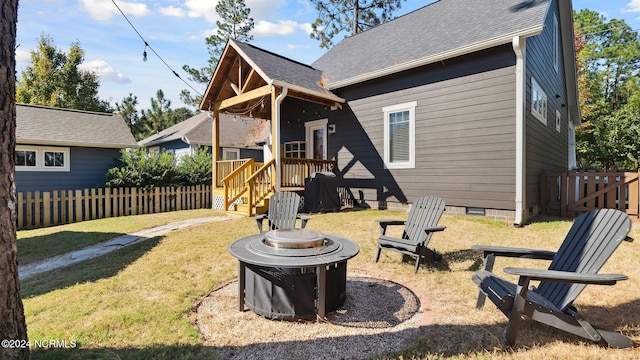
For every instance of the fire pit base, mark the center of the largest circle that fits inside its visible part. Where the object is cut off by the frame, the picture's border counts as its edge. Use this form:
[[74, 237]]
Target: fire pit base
[[283, 278], [282, 295]]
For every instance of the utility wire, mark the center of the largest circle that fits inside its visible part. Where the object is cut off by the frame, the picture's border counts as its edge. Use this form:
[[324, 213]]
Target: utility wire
[[146, 44]]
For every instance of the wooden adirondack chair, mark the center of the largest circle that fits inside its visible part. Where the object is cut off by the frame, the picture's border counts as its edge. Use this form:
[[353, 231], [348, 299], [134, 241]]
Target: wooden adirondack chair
[[421, 223], [590, 242], [283, 212]]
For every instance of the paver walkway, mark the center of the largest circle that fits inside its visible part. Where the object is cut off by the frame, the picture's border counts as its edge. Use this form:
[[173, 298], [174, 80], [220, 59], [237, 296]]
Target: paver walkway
[[28, 270]]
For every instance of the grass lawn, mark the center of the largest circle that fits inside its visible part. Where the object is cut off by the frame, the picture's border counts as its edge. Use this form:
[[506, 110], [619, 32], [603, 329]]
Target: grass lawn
[[135, 303], [37, 244]]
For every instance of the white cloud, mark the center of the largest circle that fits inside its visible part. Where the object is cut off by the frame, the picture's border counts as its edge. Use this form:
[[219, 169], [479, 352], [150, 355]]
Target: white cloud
[[632, 6], [173, 11], [105, 71], [103, 10], [306, 27], [23, 58], [202, 8], [265, 9], [265, 28]]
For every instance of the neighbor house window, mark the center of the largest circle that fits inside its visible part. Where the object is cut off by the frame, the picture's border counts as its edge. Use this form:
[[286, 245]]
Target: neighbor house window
[[399, 135], [26, 159], [34, 158], [231, 154], [538, 102], [557, 121]]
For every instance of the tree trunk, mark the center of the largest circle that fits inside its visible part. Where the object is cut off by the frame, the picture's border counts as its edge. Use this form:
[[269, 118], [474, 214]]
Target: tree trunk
[[13, 329]]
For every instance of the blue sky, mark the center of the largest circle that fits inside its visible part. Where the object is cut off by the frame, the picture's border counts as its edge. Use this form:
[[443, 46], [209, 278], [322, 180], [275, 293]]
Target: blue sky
[[176, 30]]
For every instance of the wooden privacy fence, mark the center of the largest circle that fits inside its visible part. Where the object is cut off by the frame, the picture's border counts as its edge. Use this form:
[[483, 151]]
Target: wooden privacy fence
[[572, 193], [40, 209]]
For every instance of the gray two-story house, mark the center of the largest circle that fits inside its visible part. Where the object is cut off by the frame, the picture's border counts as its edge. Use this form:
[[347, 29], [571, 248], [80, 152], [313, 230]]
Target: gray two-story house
[[467, 100]]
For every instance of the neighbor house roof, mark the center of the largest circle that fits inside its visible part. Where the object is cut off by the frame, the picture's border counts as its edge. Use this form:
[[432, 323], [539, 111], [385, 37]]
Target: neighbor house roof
[[41, 125], [441, 30], [235, 131]]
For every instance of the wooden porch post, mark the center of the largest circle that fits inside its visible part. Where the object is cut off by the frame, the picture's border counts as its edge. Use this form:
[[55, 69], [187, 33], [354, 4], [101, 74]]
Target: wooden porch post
[[275, 141], [216, 147]]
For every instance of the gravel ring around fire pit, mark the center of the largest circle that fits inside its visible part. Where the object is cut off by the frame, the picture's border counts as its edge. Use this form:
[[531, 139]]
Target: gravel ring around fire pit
[[379, 316]]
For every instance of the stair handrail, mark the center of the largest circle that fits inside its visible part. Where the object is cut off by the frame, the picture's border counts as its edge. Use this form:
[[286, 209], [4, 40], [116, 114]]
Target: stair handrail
[[235, 184], [261, 184]]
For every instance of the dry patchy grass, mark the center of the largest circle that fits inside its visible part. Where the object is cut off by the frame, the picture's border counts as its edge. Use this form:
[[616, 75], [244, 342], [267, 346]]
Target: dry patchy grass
[[137, 302]]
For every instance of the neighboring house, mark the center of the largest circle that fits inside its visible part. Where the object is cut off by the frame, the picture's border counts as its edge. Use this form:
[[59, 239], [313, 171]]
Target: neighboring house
[[467, 100], [62, 149], [240, 138]]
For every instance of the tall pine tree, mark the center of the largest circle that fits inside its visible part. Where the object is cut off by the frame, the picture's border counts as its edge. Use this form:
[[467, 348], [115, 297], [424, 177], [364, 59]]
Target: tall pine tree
[[12, 322], [349, 17], [608, 59], [235, 24]]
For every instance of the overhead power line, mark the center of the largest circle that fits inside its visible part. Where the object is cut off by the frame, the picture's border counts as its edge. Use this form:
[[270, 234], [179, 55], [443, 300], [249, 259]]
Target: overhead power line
[[146, 45]]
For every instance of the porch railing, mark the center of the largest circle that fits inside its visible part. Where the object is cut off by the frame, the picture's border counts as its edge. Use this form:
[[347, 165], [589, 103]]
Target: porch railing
[[235, 184], [572, 193], [295, 170], [225, 167], [256, 181]]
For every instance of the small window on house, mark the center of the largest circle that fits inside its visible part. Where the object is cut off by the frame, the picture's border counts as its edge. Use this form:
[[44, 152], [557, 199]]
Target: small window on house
[[34, 158], [54, 159], [557, 121], [399, 135], [25, 158], [231, 154], [538, 102], [556, 43]]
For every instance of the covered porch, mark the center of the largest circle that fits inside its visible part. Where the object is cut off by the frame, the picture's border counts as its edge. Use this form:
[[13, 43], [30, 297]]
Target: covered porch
[[252, 82]]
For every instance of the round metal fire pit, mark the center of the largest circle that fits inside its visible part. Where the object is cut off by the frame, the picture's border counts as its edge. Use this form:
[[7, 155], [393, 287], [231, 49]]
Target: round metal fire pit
[[294, 239], [292, 274]]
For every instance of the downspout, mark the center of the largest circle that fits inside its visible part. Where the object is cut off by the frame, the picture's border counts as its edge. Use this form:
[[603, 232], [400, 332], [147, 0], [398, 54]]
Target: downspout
[[519, 47], [276, 142]]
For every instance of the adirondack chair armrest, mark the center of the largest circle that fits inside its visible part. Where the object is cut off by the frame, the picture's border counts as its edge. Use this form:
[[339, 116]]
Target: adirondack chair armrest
[[564, 276], [384, 223], [260, 220], [514, 252], [435, 228], [303, 220]]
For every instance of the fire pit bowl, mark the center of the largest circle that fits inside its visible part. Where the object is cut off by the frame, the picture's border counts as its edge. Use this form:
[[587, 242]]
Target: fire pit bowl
[[292, 274]]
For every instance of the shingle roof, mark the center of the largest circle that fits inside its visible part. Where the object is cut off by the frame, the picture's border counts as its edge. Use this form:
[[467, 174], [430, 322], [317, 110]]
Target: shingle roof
[[234, 131], [40, 125], [281, 68], [441, 28]]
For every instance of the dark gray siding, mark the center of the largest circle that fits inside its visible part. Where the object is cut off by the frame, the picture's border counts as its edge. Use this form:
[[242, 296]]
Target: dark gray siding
[[256, 155], [546, 149], [88, 167], [465, 132]]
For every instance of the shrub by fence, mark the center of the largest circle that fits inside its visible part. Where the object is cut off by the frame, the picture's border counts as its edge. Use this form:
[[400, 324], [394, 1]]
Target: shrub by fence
[[41, 209]]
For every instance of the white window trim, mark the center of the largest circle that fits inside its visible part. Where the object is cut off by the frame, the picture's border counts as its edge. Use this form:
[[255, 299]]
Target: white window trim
[[558, 117], [556, 43], [39, 150], [536, 89], [411, 107]]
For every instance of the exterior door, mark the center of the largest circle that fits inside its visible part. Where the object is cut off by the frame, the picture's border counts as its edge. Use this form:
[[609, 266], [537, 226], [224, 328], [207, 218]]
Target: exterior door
[[316, 139]]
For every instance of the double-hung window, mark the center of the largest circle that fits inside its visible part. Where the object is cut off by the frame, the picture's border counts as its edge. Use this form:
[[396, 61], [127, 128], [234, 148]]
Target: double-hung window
[[538, 102], [399, 135]]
